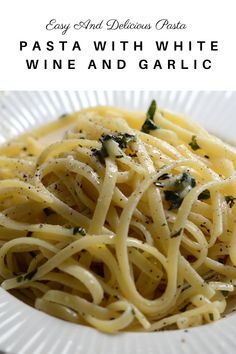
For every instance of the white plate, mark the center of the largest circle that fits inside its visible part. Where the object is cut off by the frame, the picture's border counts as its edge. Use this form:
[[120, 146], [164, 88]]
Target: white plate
[[26, 330]]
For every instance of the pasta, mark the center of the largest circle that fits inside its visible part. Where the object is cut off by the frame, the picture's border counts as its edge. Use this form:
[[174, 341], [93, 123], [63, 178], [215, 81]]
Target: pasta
[[123, 221]]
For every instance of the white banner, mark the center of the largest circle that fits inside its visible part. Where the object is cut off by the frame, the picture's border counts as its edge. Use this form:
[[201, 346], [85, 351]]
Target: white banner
[[117, 45]]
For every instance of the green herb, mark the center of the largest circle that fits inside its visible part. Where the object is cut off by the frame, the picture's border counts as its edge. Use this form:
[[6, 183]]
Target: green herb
[[79, 230], [206, 156], [194, 145], [230, 200], [182, 183], [19, 279], [48, 211], [63, 116], [164, 176], [173, 198], [211, 316], [29, 234], [151, 110], [204, 195], [224, 292], [183, 309], [177, 233], [149, 123], [30, 275], [33, 254], [27, 276], [133, 311], [122, 139], [101, 154]]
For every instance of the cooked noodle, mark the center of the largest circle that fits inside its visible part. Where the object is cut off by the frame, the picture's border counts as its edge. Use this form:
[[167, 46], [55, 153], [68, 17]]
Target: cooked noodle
[[120, 220]]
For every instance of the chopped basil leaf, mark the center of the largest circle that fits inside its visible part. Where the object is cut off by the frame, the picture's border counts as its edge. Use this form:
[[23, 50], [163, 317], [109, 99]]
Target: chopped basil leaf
[[185, 180], [181, 186], [230, 200], [173, 198], [48, 211], [204, 195], [30, 275], [206, 156], [211, 316], [122, 139], [151, 110], [149, 123], [19, 278], [29, 234], [183, 309], [164, 176], [63, 116], [101, 154], [224, 292], [33, 254], [194, 145], [177, 233], [79, 230], [27, 276], [133, 312]]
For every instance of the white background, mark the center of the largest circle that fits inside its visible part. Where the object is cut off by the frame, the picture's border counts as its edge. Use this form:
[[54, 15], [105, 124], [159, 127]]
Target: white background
[[205, 20]]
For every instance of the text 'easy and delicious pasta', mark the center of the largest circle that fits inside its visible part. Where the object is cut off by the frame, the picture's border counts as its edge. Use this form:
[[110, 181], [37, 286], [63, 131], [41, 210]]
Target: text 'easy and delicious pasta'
[[120, 220]]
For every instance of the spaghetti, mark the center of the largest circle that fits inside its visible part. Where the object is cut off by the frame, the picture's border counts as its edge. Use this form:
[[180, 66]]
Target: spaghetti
[[120, 220]]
